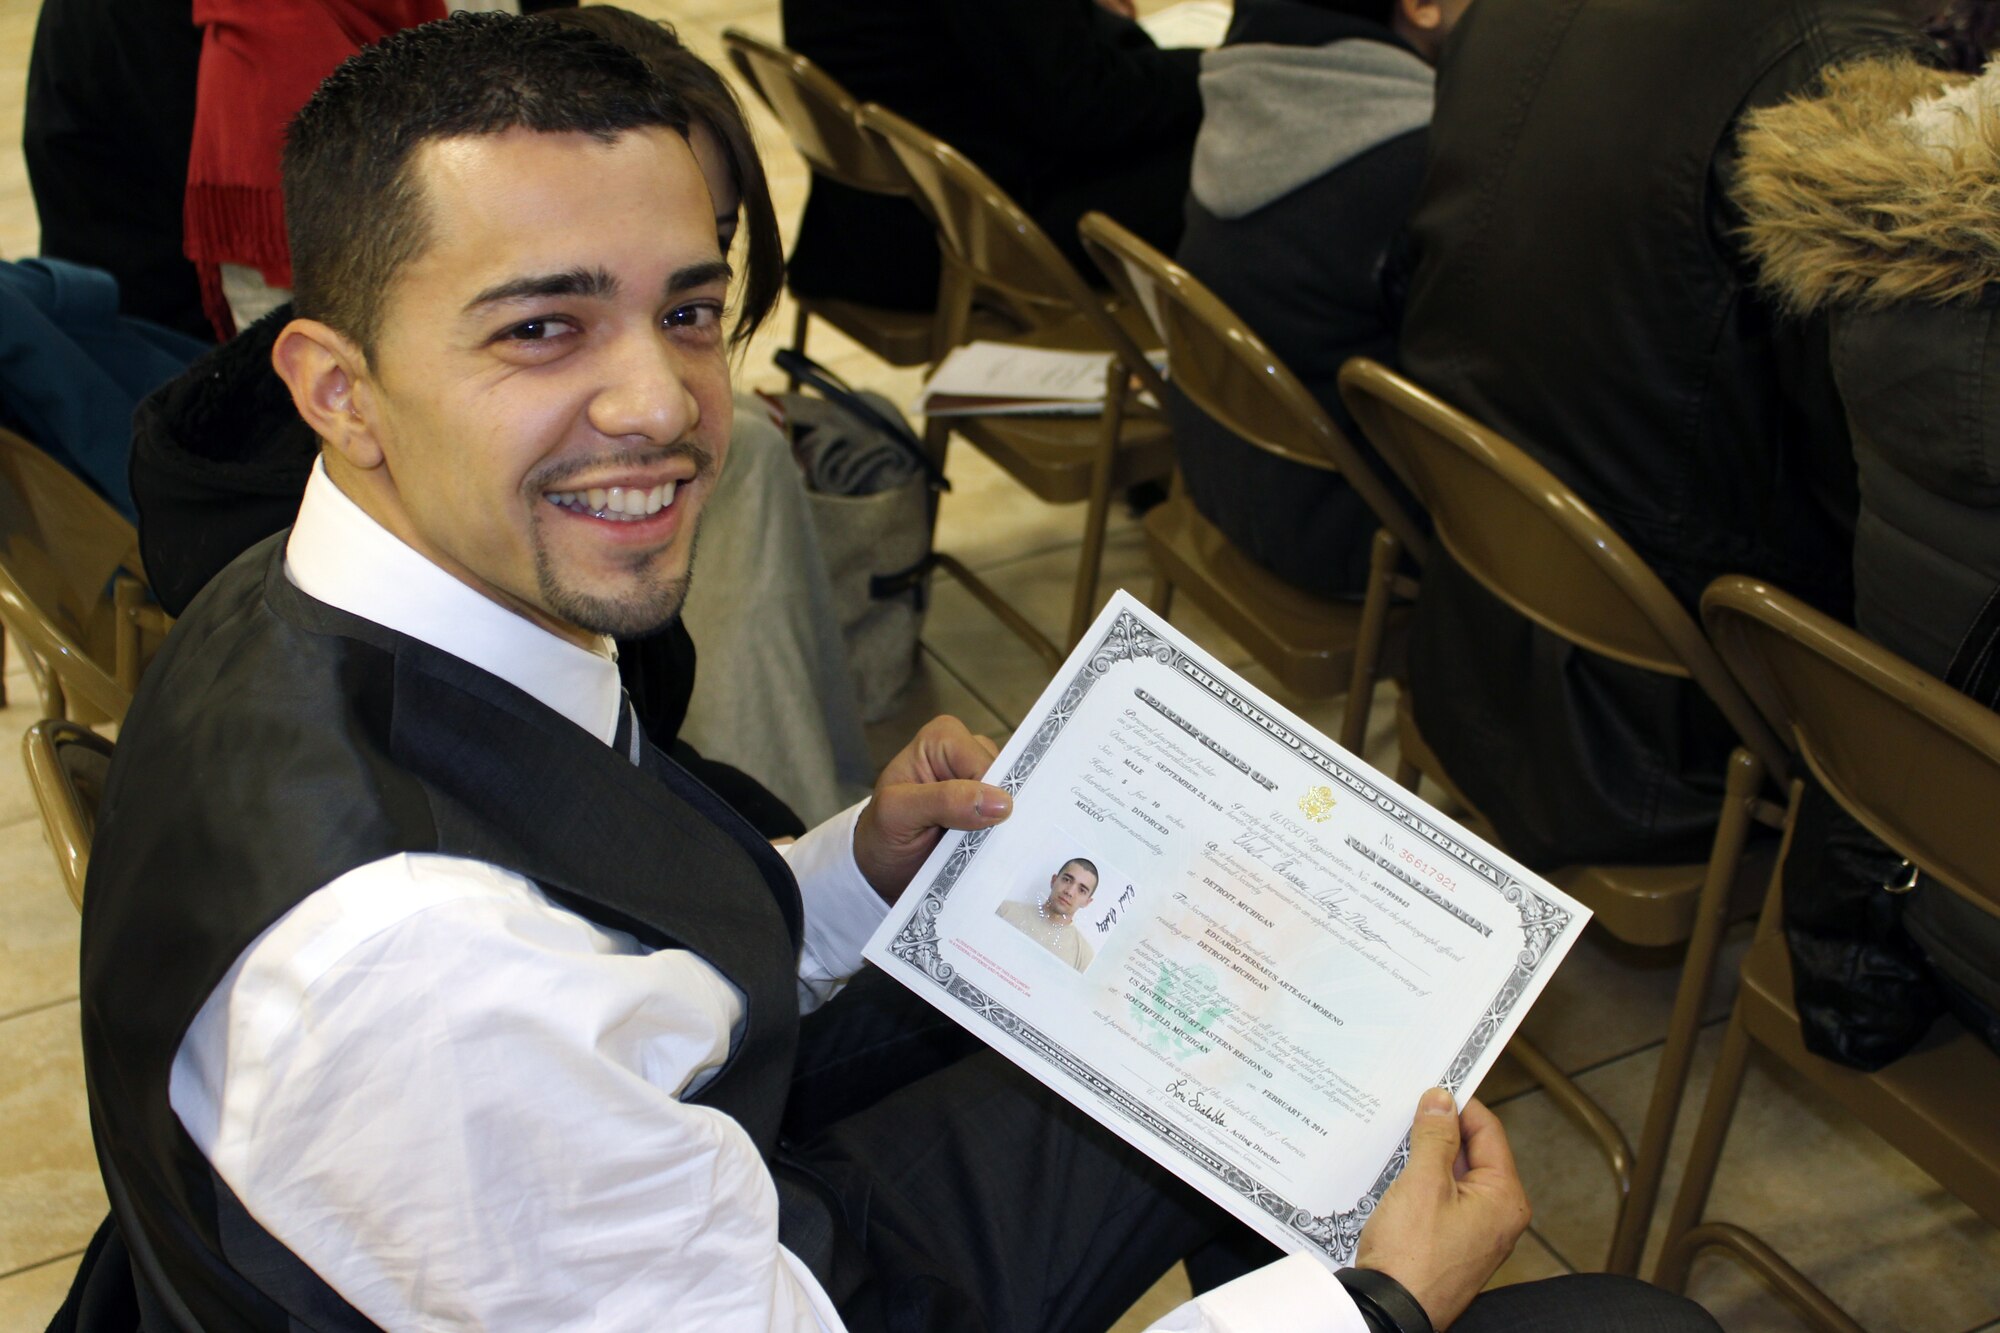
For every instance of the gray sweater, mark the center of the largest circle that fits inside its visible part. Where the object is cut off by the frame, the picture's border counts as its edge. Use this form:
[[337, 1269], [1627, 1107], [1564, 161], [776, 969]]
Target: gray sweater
[[1277, 117]]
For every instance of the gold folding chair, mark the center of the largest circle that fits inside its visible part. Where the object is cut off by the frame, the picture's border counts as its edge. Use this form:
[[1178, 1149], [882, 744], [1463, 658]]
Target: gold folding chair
[[818, 116], [67, 764], [72, 588], [1534, 544], [993, 251], [1918, 764], [1315, 647]]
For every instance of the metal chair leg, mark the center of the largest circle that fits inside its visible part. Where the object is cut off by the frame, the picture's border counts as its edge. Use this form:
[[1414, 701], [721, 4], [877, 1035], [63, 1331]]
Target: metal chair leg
[[1788, 1283], [1744, 782], [983, 593], [48, 688], [1687, 1236], [1383, 557], [1723, 1089], [1083, 604]]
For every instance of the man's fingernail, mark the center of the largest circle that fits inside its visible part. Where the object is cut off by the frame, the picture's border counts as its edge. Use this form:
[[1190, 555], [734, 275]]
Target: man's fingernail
[[1437, 1102], [994, 803]]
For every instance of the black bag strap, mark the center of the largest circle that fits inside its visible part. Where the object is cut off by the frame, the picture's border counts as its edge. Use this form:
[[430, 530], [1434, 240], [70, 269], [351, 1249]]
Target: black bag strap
[[835, 390]]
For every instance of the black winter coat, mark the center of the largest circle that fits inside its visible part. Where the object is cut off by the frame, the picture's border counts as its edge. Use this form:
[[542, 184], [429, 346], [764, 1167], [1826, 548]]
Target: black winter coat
[[1851, 221], [1579, 288]]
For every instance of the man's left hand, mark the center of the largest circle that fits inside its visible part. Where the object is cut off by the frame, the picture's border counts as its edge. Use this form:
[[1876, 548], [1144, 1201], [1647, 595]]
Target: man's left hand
[[928, 788]]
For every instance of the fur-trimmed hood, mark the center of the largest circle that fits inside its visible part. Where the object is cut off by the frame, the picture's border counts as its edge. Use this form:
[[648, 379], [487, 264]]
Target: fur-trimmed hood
[[1883, 188]]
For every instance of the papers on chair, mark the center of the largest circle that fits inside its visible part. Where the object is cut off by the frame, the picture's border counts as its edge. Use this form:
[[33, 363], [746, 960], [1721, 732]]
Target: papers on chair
[[1006, 379], [988, 379], [1282, 950], [1196, 23]]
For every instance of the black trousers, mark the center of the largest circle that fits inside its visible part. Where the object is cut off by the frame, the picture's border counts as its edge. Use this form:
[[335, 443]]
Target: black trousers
[[945, 1190]]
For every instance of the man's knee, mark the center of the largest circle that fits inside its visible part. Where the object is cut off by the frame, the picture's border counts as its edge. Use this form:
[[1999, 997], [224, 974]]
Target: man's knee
[[1586, 1303]]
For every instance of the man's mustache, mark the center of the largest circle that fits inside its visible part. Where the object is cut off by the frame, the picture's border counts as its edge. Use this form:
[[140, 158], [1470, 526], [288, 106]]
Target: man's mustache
[[552, 476]]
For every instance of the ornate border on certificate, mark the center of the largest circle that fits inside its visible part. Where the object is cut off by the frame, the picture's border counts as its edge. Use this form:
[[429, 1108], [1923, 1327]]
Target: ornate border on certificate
[[1127, 639]]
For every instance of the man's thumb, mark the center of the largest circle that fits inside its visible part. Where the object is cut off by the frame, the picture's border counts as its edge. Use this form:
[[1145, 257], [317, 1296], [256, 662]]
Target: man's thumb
[[959, 804], [1434, 1136]]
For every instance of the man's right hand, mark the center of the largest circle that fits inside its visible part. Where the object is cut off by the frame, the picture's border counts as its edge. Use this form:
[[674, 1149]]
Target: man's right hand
[[930, 787], [1454, 1213]]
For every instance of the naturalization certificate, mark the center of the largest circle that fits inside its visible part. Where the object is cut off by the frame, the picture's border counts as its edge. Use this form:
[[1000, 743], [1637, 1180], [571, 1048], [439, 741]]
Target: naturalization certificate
[[1224, 937]]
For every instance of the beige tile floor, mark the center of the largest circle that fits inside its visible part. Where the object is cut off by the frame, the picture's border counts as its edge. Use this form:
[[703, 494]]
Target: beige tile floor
[[1883, 1238]]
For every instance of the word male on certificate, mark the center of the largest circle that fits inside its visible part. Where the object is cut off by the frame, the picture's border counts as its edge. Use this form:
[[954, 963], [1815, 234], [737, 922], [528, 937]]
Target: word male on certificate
[[1253, 953]]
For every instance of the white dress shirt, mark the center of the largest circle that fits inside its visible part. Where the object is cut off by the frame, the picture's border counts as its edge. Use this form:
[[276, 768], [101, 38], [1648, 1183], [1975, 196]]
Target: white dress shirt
[[460, 1104]]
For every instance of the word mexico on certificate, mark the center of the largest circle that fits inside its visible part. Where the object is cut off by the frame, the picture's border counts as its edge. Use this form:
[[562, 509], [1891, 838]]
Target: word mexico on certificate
[[1224, 937]]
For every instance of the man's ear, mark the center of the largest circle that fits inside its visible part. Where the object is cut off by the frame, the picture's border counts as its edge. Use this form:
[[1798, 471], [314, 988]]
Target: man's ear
[[1423, 15], [331, 388]]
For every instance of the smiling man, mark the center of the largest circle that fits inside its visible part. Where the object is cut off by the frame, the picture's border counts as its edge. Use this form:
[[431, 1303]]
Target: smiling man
[[420, 990], [551, 439], [424, 991]]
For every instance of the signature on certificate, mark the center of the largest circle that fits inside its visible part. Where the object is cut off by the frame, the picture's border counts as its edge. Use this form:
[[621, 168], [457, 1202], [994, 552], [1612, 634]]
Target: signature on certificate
[[1189, 1094]]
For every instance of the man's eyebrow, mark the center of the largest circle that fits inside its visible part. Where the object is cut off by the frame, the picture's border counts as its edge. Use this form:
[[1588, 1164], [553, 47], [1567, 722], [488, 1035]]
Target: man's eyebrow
[[594, 282], [698, 275]]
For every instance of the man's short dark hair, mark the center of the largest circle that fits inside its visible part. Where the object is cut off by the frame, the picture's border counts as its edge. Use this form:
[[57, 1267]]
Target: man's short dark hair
[[710, 101], [353, 212], [1095, 878]]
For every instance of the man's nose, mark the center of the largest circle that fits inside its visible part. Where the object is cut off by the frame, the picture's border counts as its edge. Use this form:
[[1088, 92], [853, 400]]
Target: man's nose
[[646, 394]]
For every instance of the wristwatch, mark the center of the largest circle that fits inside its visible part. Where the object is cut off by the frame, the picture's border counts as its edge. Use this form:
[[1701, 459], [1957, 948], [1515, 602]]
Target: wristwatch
[[1385, 1305]]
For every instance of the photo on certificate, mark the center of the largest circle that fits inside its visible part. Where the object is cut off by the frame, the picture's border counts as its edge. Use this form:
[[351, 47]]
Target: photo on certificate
[[1066, 914], [1225, 938]]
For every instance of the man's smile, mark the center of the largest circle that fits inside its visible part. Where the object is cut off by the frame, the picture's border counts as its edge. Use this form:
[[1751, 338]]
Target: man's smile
[[618, 504]]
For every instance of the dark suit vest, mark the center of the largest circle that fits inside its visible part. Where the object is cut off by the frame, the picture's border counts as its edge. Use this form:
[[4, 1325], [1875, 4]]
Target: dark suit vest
[[278, 743]]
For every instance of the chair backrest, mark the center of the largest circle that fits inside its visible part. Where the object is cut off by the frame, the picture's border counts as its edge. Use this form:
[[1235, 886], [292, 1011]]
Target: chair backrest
[[67, 764], [992, 241], [816, 112], [1533, 542], [62, 552], [1915, 761], [1230, 373]]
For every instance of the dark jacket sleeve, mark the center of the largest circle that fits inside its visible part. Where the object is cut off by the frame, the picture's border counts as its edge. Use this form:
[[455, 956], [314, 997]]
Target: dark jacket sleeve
[[1075, 78]]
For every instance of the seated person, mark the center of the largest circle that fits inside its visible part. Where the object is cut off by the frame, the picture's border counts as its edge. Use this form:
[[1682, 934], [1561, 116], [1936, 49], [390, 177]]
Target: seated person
[[72, 368], [258, 65], [1580, 287], [221, 459], [1068, 106], [1856, 204], [1309, 157], [1051, 922], [105, 131], [478, 1010]]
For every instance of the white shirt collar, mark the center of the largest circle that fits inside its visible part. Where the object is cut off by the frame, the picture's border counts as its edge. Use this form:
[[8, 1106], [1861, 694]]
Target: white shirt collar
[[340, 555]]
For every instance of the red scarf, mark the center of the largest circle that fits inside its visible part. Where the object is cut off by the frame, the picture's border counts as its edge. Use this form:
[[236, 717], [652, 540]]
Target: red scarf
[[260, 61]]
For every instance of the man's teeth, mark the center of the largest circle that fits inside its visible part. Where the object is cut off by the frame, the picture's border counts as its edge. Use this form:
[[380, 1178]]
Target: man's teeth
[[623, 503]]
